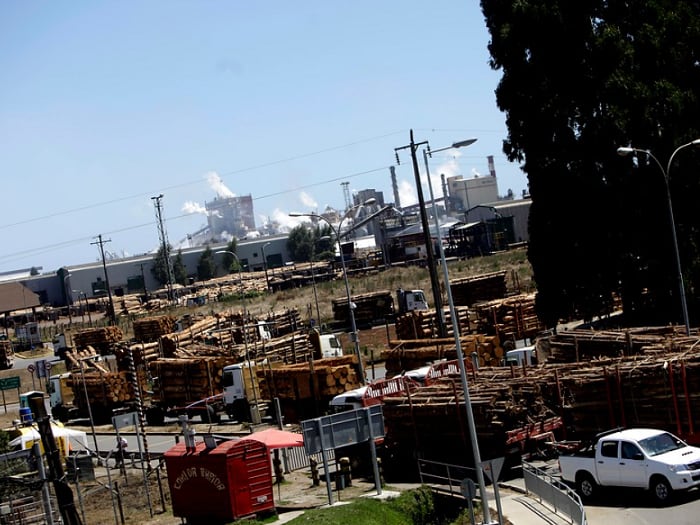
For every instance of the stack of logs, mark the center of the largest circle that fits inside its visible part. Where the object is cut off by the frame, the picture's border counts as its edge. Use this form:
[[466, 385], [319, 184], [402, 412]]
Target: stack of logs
[[321, 379], [183, 381], [513, 318], [100, 339], [411, 354], [423, 324], [370, 307], [471, 290], [149, 329], [105, 390]]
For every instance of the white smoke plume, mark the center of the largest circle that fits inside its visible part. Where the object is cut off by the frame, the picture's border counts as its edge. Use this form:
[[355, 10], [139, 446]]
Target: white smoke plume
[[308, 201], [193, 207], [218, 185], [407, 193]]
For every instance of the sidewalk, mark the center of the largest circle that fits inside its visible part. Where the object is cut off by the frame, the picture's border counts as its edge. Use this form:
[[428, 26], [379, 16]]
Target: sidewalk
[[521, 508]]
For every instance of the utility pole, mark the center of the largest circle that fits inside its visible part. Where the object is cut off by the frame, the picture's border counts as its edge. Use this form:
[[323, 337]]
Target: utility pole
[[432, 270], [111, 313], [163, 235]]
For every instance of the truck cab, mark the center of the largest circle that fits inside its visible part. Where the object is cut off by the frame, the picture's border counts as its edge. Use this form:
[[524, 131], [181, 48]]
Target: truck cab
[[325, 345], [235, 396], [410, 300]]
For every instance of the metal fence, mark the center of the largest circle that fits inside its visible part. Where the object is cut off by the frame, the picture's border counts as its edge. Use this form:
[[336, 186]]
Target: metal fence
[[297, 458], [557, 495], [444, 477]]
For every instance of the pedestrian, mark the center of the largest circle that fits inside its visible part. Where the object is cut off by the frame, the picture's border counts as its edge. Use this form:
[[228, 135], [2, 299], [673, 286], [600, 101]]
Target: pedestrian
[[120, 453]]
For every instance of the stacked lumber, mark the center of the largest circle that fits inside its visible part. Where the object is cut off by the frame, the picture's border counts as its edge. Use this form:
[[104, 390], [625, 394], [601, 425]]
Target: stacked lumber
[[486, 287], [431, 421], [183, 381], [369, 307], [129, 305], [411, 354], [284, 322], [513, 318], [104, 388], [73, 358], [101, 339], [149, 329], [139, 352], [321, 379], [423, 324], [198, 330], [294, 348]]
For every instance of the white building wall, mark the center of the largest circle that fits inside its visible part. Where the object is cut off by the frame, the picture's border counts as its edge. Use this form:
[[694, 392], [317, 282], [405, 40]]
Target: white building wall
[[473, 192]]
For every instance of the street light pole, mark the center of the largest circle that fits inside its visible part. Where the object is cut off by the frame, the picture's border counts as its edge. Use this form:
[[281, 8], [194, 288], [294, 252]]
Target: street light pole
[[458, 343], [68, 297], [267, 281], [432, 271], [624, 151], [351, 310]]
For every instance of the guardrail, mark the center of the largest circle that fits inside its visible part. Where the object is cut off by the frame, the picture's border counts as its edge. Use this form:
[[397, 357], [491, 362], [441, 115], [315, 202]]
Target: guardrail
[[557, 495]]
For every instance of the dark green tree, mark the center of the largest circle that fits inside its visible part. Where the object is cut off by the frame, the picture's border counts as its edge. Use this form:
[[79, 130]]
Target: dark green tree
[[206, 269], [305, 241], [578, 80], [179, 271], [160, 265], [230, 262]]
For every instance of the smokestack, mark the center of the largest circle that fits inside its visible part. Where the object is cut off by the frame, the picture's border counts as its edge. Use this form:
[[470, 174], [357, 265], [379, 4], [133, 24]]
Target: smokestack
[[395, 187], [445, 196], [492, 168]]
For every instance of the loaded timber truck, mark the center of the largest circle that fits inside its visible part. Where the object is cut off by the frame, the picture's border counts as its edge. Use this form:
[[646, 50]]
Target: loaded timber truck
[[411, 300]]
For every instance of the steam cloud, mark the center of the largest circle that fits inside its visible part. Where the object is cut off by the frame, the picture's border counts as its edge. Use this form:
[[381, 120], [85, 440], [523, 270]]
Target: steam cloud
[[218, 185]]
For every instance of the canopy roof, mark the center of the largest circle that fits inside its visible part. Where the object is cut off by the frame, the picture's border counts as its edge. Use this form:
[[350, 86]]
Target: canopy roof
[[274, 438]]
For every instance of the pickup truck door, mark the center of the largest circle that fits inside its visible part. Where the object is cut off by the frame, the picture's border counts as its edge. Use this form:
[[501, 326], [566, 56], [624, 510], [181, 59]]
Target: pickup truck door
[[607, 462], [633, 466]]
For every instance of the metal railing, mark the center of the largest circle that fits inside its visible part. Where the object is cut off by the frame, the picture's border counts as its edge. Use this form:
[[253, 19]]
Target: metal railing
[[554, 493], [444, 477]]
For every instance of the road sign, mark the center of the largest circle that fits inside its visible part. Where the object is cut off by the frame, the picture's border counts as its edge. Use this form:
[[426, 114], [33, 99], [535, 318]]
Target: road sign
[[492, 468], [48, 366], [9, 383], [31, 368], [468, 489]]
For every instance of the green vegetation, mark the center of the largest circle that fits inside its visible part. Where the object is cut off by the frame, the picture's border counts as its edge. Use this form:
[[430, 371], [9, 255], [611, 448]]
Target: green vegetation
[[580, 79]]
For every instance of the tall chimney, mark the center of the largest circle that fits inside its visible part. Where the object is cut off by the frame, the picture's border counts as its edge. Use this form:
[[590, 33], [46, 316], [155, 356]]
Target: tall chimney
[[492, 168], [395, 186]]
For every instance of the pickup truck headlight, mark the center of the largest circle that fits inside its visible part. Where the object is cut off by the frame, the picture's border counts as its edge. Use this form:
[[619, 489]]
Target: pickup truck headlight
[[678, 468]]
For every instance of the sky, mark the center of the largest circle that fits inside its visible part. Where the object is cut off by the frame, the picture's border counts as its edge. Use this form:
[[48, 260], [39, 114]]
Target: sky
[[105, 105]]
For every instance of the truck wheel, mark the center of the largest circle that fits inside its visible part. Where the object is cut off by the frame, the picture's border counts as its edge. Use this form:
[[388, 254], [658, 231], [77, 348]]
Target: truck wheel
[[155, 416], [661, 490], [586, 485], [211, 416]]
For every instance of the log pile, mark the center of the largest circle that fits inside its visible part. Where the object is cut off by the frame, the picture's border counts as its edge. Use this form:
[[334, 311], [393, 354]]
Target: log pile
[[149, 329], [104, 389], [423, 324], [513, 318], [320, 380], [284, 322], [290, 349], [101, 339], [129, 305], [183, 381], [371, 306], [197, 331], [411, 354], [471, 290]]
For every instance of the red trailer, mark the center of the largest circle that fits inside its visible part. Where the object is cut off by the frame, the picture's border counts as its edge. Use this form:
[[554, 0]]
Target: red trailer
[[221, 484]]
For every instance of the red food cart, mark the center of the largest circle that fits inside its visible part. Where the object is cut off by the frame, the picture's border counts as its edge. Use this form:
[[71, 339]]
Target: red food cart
[[220, 484]]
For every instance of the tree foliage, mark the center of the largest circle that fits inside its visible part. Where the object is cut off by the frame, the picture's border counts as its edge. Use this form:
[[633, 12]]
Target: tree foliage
[[160, 264], [206, 268], [306, 242], [578, 80], [179, 271]]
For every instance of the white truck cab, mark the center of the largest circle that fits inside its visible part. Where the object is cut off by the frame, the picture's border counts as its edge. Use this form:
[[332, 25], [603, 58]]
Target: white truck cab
[[521, 356]]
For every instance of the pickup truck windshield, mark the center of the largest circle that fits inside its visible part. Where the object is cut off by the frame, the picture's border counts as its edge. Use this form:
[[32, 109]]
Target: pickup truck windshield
[[661, 443]]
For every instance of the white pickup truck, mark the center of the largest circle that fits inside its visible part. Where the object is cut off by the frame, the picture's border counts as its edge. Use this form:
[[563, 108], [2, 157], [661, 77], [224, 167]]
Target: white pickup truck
[[639, 457]]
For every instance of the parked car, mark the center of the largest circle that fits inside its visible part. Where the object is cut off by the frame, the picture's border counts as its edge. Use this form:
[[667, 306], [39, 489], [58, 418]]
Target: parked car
[[643, 458]]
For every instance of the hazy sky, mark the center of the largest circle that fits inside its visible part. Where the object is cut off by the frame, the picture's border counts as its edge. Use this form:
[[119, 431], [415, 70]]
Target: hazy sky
[[104, 105]]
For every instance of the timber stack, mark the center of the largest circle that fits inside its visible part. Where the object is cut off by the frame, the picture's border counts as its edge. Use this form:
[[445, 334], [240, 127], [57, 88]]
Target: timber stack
[[468, 291], [370, 307], [305, 389], [101, 339], [423, 324], [149, 329], [414, 353], [513, 318]]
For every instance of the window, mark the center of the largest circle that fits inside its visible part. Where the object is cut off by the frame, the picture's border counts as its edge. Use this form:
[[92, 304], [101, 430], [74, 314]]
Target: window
[[630, 451], [608, 449]]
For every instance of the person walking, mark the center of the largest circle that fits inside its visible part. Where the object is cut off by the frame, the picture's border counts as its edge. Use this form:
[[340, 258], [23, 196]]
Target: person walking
[[120, 452]]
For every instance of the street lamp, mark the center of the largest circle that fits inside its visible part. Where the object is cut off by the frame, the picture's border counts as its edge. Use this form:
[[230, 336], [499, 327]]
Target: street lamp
[[267, 281], [458, 344], [626, 150], [351, 309], [68, 297]]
